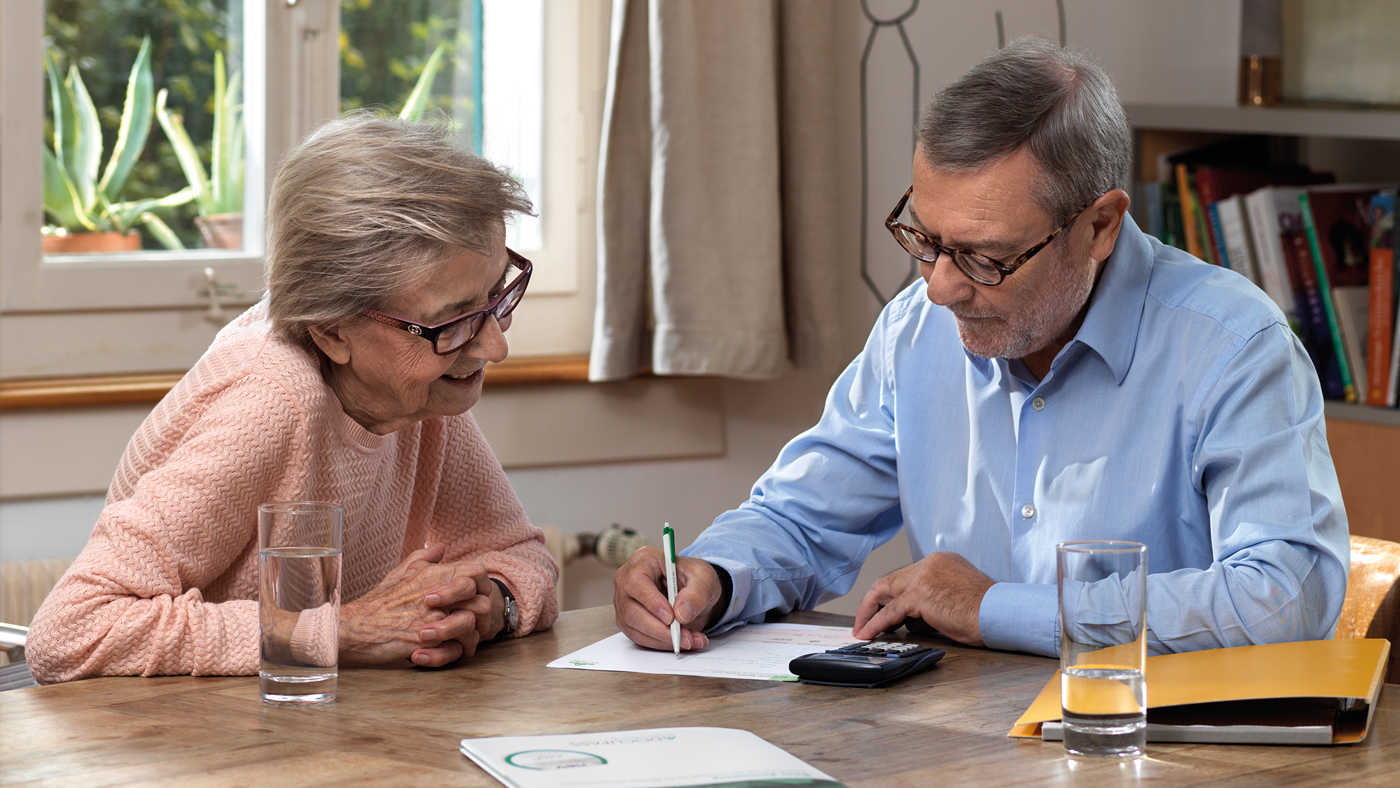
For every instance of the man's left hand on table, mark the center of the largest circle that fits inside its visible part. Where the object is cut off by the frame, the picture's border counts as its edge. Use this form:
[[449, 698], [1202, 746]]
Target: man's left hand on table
[[943, 589]]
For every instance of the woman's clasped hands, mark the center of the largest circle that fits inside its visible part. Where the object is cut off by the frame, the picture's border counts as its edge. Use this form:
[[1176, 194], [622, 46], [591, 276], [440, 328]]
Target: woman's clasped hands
[[428, 611]]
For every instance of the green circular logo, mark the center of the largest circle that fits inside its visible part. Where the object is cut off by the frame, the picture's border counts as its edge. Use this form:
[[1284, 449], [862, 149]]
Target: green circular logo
[[548, 760]]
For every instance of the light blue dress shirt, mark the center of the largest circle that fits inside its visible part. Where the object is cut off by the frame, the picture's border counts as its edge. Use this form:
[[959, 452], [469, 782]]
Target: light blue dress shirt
[[1184, 415]]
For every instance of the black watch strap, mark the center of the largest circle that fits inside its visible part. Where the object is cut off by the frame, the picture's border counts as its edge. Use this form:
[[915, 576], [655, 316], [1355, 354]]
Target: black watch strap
[[512, 611]]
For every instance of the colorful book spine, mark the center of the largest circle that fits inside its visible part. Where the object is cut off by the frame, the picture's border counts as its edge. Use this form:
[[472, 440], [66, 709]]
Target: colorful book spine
[[1217, 234], [1191, 222], [1381, 302], [1334, 332], [1317, 337], [1235, 237], [1262, 209]]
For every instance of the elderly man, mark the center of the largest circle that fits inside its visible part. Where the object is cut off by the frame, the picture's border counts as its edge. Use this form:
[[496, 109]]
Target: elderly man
[[1058, 375]]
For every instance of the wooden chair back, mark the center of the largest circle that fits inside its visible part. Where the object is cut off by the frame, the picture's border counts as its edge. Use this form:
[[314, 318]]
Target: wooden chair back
[[1372, 605]]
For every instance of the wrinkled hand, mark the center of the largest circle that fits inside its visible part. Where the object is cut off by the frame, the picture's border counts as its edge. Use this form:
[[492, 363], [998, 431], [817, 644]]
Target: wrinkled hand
[[943, 589], [431, 612], [641, 608]]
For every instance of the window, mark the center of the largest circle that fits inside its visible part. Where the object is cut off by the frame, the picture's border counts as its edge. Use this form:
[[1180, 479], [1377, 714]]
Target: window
[[157, 309]]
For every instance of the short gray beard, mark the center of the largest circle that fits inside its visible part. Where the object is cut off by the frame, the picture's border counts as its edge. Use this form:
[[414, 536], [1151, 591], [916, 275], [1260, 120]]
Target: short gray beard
[[1044, 320]]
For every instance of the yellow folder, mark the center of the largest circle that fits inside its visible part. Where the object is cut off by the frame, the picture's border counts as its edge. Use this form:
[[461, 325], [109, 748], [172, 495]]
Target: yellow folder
[[1310, 692]]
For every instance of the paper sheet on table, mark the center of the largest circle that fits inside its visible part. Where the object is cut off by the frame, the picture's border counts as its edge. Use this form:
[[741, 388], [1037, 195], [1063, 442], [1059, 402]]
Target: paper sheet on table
[[655, 758], [755, 651]]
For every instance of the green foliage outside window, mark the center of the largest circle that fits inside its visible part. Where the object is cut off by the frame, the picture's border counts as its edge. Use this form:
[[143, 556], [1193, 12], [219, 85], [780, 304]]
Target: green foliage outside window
[[384, 46]]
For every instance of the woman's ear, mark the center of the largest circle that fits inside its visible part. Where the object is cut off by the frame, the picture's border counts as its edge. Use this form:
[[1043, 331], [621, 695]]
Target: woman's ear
[[331, 339]]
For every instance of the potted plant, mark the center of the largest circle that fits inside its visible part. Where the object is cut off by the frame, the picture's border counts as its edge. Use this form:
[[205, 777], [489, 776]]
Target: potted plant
[[87, 212], [218, 191]]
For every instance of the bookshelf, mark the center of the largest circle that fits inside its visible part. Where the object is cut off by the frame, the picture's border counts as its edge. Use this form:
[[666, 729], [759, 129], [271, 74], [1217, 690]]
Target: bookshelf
[[1364, 440], [1345, 123]]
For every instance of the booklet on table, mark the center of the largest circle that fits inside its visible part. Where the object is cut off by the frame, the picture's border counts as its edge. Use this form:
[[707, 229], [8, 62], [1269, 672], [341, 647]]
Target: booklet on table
[[654, 758]]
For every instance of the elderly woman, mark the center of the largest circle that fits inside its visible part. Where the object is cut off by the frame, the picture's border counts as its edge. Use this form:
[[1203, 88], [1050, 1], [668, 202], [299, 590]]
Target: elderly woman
[[389, 289]]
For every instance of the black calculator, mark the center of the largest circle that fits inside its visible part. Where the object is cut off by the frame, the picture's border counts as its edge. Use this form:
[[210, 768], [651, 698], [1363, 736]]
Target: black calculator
[[864, 664]]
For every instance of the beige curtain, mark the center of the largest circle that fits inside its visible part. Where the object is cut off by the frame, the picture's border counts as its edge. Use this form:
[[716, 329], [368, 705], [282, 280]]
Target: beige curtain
[[718, 223]]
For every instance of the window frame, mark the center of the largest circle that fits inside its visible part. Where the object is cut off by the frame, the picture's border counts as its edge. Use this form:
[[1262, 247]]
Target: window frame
[[143, 312], [34, 282]]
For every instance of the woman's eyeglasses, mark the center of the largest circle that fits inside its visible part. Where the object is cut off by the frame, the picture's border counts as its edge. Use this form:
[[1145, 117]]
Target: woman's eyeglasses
[[455, 334]]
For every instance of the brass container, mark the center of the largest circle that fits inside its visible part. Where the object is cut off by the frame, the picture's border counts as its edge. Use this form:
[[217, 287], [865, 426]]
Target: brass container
[[1261, 80]]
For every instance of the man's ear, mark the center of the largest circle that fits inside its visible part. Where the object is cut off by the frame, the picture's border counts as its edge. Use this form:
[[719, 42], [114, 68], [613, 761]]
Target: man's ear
[[1107, 216], [331, 339]]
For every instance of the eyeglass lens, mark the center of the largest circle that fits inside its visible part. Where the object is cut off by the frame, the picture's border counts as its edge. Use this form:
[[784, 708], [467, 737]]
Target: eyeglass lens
[[976, 268], [455, 336]]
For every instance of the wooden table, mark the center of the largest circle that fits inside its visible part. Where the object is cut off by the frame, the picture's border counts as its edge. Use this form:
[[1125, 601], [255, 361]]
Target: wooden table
[[945, 727]]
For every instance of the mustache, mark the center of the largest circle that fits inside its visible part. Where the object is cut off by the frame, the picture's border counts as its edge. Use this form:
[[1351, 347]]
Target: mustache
[[963, 313]]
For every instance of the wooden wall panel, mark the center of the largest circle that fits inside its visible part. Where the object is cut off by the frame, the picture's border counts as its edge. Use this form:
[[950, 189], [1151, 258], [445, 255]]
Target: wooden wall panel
[[1367, 457]]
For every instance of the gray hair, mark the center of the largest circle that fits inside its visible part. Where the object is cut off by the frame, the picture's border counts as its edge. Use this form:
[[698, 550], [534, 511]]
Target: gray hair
[[365, 207], [1056, 103]]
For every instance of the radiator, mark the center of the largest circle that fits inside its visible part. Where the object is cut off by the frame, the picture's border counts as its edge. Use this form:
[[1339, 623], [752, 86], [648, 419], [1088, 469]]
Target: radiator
[[23, 586], [558, 548]]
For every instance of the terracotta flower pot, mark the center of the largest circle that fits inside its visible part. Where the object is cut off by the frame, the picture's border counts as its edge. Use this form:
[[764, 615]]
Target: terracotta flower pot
[[221, 230], [86, 243]]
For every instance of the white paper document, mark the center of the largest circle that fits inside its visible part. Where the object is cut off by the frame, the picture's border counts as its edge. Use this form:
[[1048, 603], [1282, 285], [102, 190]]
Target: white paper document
[[655, 758], [756, 651]]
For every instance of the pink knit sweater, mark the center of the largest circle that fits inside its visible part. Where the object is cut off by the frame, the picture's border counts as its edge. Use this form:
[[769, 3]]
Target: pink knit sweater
[[168, 583]]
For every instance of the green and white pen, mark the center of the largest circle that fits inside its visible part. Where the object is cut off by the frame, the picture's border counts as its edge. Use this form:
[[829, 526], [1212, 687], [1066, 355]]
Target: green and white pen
[[668, 545]]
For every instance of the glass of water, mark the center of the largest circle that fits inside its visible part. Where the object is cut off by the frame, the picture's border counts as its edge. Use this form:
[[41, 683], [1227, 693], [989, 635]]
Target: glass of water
[[299, 600], [1103, 647]]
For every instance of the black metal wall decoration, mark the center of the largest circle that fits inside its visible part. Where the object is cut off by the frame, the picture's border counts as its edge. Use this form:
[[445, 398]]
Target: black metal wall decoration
[[897, 22]]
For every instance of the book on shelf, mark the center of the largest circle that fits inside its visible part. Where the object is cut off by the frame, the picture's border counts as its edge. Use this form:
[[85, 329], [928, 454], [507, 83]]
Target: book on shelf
[[1313, 303], [1351, 304], [1173, 233], [1262, 208], [1287, 274], [1393, 391], [1382, 301], [1217, 236], [1207, 174], [1193, 221], [1215, 184], [1336, 219], [1235, 240]]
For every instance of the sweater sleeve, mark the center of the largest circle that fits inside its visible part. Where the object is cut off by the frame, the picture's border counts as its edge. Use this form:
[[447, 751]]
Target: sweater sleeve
[[133, 603], [479, 517]]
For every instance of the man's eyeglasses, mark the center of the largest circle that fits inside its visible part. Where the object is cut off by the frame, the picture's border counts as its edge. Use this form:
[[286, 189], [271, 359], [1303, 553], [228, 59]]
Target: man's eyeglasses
[[454, 335], [977, 267]]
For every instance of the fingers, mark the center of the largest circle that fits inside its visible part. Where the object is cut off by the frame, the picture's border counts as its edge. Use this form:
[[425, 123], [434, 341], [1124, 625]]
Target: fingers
[[415, 562], [450, 627], [943, 591], [881, 593], [456, 583], [885, 619], [438, 656], [642, 610], [699, 590]]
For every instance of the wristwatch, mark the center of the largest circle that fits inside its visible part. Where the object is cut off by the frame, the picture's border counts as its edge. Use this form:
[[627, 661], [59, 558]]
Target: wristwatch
[[512, 612]]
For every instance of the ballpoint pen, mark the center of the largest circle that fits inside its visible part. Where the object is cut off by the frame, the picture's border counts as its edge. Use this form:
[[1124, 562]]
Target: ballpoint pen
[[668, 545]]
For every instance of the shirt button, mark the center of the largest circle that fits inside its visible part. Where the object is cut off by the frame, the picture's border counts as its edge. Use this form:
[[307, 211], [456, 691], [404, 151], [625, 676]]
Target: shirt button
[[1038, 403], [1028, 511]]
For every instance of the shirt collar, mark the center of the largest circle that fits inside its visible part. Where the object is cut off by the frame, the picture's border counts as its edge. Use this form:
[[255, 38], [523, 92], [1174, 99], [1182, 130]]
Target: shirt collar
[[1110, 328]]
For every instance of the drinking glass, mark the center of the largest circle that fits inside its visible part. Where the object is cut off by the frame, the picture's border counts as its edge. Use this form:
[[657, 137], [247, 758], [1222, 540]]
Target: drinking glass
[[1103, 647], [299, 600]]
